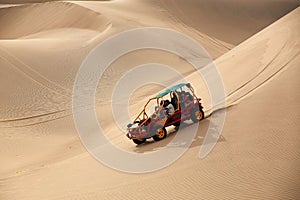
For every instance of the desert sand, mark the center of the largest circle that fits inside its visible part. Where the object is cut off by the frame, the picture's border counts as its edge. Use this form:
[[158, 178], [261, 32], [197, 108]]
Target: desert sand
[[255, 46]]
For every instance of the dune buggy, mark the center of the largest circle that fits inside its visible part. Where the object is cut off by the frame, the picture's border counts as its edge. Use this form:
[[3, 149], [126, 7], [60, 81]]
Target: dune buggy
[[184, 104]]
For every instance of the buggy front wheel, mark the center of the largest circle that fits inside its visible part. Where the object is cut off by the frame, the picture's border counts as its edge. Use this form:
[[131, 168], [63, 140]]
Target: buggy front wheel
[[139, 141], [160, 133]]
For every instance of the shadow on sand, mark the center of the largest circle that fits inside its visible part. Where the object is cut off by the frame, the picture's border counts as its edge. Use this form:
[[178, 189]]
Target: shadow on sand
[[150, 145]]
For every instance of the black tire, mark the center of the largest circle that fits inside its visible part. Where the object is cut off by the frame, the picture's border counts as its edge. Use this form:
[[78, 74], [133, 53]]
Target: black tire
[[137, 141], [160, 133], [197, 115]]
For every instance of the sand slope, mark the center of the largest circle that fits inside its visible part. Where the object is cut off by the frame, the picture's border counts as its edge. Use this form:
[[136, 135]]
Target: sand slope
[[52, 33], [230, 21], [23, 21], [59, 35], [257, 156]]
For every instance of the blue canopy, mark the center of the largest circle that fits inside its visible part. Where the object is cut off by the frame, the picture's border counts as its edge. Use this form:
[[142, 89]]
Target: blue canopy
[[171, 89]]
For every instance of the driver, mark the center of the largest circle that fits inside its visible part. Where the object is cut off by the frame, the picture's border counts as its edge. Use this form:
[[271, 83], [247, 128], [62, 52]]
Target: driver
[[167, 109]]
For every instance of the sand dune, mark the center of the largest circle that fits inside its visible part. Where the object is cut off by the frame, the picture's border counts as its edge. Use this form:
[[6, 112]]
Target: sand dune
[[274, 48], [30, 1], [237, 20], [55, 38], [72, 37], [26, 20], [42, 47]]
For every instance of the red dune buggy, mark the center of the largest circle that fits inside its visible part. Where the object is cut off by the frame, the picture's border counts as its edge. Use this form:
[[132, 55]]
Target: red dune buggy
[[170, 107]]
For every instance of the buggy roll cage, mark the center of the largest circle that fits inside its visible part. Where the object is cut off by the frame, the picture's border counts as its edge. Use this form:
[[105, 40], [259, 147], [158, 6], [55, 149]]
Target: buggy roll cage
[[143, 116]]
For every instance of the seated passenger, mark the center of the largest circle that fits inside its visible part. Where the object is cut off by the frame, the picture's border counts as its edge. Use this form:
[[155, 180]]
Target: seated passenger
[[169, 107], [174, 100]]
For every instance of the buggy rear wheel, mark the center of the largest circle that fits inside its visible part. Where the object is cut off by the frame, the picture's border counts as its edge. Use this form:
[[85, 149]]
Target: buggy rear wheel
[[160, 133], [197, 115]]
